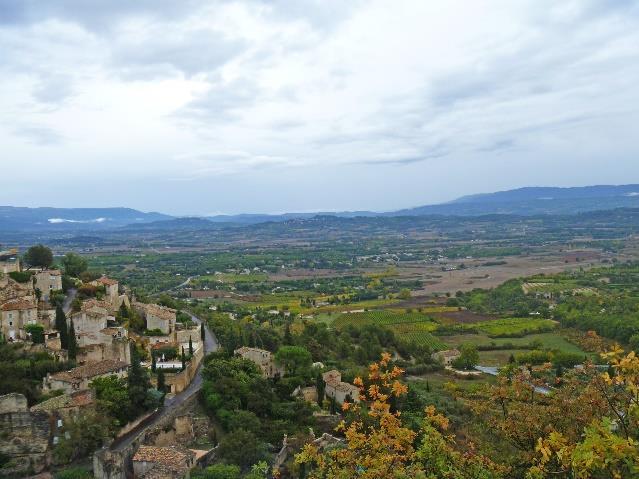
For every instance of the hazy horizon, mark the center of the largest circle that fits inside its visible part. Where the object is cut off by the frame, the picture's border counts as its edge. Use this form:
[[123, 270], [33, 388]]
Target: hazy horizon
[[193, 108]]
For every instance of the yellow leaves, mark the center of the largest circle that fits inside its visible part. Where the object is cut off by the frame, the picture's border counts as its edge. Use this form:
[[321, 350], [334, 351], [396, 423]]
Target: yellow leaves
[[399, 389], [358, 382], [346, 406], [386, 357]]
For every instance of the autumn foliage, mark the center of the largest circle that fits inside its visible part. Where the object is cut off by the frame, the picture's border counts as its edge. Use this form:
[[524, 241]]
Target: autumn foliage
[[377, 445]]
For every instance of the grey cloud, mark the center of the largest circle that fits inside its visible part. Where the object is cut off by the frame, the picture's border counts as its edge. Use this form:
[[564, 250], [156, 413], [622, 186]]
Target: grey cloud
[[53, 90], [220, 102], [193, 52], [38, 134]]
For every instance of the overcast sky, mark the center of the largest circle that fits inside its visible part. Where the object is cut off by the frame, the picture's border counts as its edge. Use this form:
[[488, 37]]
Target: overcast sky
[[202, 107]]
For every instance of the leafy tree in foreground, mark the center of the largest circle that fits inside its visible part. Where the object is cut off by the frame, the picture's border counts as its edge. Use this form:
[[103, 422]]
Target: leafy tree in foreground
[[377, 445], [609, 445], [39, 256]]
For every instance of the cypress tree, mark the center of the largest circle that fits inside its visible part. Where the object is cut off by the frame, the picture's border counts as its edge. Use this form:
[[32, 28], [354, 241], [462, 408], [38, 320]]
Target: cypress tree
[[202, 332], [153, 365], [161, 381], [61, 326], [320, 386], [190, 346], [138, 383], [183, 359], [72, 342]]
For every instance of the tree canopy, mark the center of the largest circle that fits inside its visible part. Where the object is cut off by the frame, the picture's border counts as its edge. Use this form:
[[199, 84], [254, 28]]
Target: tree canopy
[[39, 256]]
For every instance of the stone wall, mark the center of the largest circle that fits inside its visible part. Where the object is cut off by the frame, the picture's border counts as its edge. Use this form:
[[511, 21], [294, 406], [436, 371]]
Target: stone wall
[[25, 437], [180, 381], [117, 463]]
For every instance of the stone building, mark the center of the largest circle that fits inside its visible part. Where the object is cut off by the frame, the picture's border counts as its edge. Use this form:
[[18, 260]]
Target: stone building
[[446, 357], [108, 343], [15, 315], [48, 280], [264, 359], [92, 318], [168, 462], [336, 388], [79, 378], [157, 317]]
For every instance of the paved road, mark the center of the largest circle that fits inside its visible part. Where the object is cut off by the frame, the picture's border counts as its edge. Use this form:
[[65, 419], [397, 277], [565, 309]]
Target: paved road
[[210, 345]]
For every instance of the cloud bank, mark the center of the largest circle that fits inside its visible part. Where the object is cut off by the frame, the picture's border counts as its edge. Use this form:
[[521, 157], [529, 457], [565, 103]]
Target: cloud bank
[[198, 106]]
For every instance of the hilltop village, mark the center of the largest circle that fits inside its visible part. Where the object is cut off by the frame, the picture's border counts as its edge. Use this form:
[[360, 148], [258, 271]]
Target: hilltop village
[[91, 337]]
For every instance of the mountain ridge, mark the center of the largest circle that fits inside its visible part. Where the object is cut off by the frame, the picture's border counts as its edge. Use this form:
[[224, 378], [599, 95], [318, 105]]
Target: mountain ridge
[[525, 201]]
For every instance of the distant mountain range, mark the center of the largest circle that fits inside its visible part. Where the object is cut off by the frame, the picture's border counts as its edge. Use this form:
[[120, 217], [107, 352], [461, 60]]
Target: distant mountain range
[[69, 219], [523, 201]]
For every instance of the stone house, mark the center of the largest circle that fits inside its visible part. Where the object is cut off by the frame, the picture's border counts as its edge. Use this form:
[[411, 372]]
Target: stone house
[[108, 343], [15, 315], [79, 378], [90, 319], [168, 462], [157, 317], [48, 280], [264, 359], [446, 357], [336, 388]]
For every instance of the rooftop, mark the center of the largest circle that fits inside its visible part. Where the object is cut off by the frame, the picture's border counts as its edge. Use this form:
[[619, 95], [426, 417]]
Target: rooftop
[[107, 281], [75, 399], [171, 456], [18, 305], [90, 370]]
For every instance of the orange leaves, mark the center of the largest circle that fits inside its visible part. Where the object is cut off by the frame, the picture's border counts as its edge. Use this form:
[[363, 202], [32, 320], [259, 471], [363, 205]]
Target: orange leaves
[[399, 389]]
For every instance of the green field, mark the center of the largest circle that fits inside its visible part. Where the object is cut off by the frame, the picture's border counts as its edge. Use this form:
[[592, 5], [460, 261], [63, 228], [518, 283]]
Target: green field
[[398, 320], [510, 327], [415, 327]]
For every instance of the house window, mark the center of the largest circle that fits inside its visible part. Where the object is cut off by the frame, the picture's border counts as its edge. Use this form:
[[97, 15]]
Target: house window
[[59, 422]]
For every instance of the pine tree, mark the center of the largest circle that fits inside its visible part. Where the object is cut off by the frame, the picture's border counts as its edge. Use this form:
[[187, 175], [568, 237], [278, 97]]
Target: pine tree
[[72, 342], [61, 326], [190, 346]]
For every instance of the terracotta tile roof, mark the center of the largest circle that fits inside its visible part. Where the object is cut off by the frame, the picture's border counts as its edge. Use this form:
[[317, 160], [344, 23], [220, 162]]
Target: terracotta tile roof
[[158, 311], [170, 456], [107, 281], [76, 399], [90, 370], [20, 304], [94, 303]]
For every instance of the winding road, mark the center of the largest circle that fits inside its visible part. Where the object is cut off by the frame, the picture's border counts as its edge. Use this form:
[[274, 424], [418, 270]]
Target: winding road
[[210, 345]]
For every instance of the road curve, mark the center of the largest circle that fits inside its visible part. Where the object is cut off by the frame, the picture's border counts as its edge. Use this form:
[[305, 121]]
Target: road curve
[[210, 345]]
